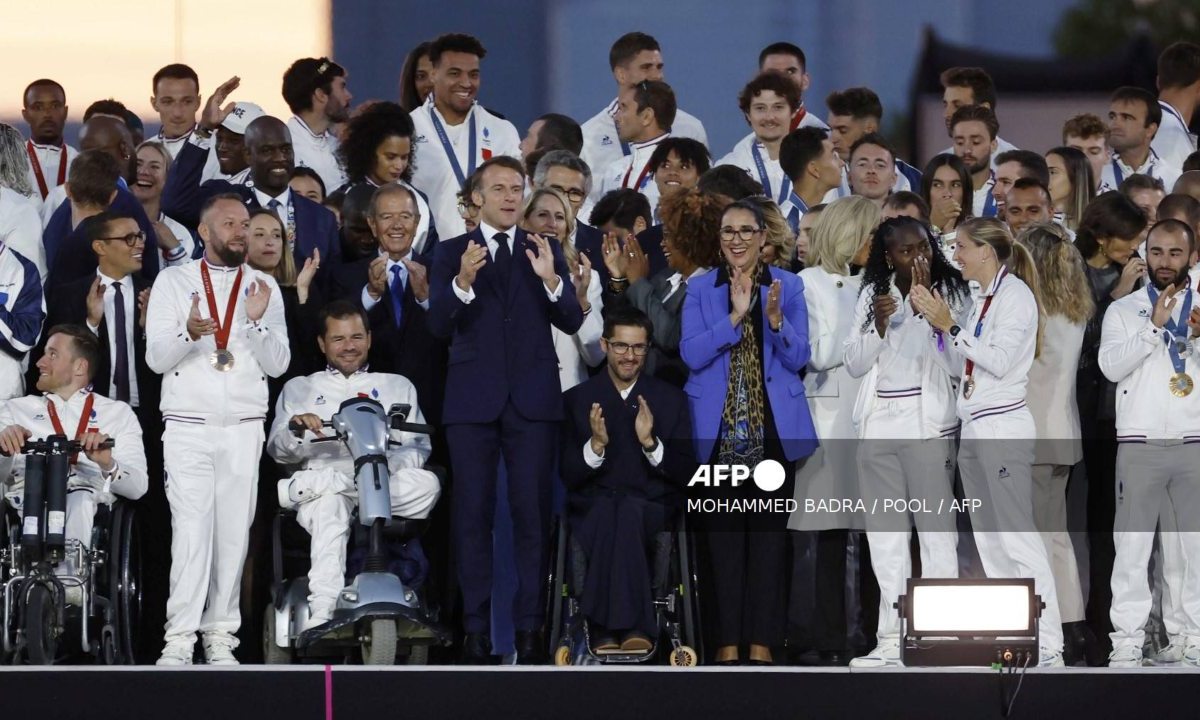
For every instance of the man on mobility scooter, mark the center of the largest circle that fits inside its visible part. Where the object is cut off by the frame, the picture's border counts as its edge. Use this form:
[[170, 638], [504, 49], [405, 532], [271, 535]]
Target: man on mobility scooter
[[324, 492]]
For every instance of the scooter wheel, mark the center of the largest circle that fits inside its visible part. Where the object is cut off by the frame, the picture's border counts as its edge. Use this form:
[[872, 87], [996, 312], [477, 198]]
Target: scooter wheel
[[272, 653], [380, 649], [562, 656], [684, 656], [417, 655], [41, 626]]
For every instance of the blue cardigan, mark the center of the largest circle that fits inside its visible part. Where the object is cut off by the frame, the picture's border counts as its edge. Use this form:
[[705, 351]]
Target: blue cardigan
[[707, 337]]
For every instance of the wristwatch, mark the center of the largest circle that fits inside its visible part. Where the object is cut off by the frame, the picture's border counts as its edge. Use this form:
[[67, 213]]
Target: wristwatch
[[954, 331]]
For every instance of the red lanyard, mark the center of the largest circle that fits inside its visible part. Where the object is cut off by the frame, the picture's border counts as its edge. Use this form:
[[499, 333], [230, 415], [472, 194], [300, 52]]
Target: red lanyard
[[83, 420], [37, 167], [223, 326], [987, 303]]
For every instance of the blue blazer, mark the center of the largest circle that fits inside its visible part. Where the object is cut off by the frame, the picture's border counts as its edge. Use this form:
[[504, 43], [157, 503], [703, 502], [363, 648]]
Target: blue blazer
[[706, 340], [500, 343]]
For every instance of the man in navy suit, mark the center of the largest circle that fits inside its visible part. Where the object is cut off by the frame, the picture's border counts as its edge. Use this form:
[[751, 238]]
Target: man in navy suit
[[495, 292], [392, 285], [268, 150], [626, 456]]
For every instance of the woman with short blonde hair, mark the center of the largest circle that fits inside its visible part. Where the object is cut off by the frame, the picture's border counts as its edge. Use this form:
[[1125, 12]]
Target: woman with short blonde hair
[[841, 234]]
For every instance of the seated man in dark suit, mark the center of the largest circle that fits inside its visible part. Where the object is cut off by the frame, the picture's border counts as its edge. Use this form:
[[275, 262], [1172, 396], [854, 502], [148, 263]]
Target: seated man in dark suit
[[93, 186], [495, 292], [626, 457], [268, 150], [393, 287]]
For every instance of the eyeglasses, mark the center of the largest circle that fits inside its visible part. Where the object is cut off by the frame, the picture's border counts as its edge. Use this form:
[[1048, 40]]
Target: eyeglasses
[[573, 194], [131, 239], [467, 210], [745, 233], [621, 348]]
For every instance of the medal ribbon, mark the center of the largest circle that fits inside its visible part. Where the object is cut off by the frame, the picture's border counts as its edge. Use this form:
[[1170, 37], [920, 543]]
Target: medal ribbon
[[223, 326], [450, 155], [83, 420], [785, 187], [37, 167], [987, 303], [1174, 327]]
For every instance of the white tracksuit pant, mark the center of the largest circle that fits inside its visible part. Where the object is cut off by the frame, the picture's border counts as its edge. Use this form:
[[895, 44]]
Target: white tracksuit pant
[[1148, 474], [1050, 516], [1169, 570], [324, 500], [212, 484], [895, 463], [995, 460]]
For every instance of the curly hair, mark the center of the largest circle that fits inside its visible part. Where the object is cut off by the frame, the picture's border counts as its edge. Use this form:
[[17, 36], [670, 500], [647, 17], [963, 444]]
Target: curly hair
[[877, 273], [1061, 272], [693, 220], [778, 233], [368, 127]]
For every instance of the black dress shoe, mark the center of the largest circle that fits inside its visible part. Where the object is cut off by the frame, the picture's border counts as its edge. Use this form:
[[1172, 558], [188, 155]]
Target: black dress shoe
[[531, 649], [834, 658], [477, 650]]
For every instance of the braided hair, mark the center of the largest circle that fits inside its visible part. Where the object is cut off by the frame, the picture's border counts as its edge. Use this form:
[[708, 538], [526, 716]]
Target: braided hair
[[877, 273]]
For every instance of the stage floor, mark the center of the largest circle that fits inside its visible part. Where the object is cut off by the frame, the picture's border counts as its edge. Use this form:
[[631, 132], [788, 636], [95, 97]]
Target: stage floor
[[342, 693]]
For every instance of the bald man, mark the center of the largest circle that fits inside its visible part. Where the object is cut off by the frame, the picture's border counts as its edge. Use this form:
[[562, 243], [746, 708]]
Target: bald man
[[268, 151], [100, 132], [1188, 184]]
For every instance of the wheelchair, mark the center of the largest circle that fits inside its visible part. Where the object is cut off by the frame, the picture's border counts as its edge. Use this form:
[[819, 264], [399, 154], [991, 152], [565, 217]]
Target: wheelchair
[[93, 611], [674, 592], [384, 611]]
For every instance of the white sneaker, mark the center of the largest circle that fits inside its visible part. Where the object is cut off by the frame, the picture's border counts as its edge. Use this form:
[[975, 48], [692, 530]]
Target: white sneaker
[[218, 649], [318, 614], [885, 654], [1191, 652], [1125, 656], [1171, 654], [177, 652], [1050, 658]]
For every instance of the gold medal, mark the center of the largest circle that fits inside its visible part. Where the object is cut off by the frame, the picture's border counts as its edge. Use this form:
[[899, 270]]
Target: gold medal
[[221, 360], [968, 387], [1181, 384]]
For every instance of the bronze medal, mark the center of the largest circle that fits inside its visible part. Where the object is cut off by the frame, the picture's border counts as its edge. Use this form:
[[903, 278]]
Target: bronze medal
[[221, 360], [968, 387]]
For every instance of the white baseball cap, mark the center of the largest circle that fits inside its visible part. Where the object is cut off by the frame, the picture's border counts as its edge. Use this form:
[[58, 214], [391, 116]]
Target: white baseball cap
[[243, 114]]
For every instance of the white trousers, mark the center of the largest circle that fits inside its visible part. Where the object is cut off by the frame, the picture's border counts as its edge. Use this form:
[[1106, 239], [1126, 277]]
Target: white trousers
[[995, 460], [212, 481], [1147, 476], [1050, 516], [1170, 569], [326, 500], [895, 463]]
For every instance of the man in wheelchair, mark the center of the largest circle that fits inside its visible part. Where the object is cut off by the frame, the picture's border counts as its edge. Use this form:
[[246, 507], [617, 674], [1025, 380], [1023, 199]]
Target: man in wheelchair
[[69, 407], [322, 491], [625, 458]]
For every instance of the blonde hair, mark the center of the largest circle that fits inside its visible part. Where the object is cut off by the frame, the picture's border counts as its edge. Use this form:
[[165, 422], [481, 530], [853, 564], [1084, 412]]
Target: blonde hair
[[1061, 275], [777, 233], [1013, 256], [570, 253], [840, 232], [157, 146]]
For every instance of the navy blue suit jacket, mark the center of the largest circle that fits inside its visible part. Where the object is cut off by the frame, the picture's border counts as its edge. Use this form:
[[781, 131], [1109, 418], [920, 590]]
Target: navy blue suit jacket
[[316, 226], [69, 255], [500, 343]]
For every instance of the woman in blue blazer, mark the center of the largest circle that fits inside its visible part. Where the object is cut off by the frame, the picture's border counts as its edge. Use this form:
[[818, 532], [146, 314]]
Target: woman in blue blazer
[[745, 340]]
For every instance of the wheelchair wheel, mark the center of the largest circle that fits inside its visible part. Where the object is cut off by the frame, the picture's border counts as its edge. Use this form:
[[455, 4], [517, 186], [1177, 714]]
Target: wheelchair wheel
[[41, 626], [272, 653], [125, 581], [380, 648]]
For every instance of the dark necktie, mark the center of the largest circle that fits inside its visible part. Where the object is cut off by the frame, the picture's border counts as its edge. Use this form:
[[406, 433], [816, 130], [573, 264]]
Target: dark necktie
[[397, 292], [121, 340], [503, 258]]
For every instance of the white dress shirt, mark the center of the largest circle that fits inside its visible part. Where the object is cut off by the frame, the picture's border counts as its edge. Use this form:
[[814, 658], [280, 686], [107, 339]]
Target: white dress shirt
[[602, 147], [317, 151], [285, 200], [369, 302], [489, 236], [434, 174], [1173, 142], [131, 316]]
